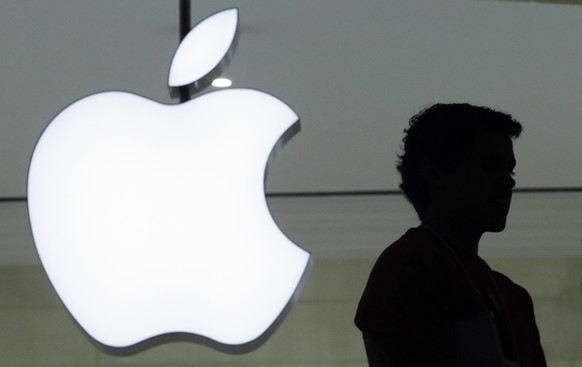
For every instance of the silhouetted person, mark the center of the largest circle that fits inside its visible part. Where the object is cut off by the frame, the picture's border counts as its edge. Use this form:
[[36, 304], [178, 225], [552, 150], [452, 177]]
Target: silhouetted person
[[430, 299]]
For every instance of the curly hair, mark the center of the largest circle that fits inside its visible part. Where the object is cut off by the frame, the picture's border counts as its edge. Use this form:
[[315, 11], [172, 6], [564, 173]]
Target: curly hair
[[443, 132]]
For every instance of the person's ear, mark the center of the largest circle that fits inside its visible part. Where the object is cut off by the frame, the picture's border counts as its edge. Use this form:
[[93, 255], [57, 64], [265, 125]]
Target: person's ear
[[432, 171]]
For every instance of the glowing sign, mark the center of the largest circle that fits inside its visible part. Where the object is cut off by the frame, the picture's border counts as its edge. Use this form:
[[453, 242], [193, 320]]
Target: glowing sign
[[151, 219]]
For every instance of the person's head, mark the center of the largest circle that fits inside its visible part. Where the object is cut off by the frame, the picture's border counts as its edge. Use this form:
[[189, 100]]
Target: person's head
[[461, 155]]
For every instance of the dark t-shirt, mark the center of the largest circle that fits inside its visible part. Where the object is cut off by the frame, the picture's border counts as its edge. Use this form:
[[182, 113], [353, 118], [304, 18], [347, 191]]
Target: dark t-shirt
[[418, 291]]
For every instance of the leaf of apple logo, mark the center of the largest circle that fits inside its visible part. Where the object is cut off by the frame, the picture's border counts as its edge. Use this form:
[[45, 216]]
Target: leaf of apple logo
[[151, 220], [205, 52]]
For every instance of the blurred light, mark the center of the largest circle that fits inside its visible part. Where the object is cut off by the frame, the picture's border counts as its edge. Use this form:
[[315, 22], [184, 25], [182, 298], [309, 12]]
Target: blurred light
[[221, 83]]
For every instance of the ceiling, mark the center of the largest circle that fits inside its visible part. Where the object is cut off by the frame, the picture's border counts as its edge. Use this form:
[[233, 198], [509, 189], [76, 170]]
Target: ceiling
[[354, 71]]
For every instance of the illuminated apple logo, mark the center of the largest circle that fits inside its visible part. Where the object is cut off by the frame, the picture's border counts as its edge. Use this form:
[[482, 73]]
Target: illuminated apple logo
[[151, 220]]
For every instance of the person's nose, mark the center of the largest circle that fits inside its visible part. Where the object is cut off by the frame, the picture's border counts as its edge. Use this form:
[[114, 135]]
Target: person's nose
[[509, 182]]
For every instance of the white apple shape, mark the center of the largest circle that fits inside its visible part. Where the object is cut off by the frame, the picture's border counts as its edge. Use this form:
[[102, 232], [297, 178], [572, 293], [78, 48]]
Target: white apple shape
[[151, 219]]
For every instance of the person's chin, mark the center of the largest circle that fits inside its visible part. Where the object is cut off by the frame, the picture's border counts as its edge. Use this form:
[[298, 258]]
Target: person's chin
[[497, 225]]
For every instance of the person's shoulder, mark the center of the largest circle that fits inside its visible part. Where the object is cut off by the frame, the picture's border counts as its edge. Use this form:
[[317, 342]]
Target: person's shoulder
[[510, 288], [414, 247], [506, 282], [414, 242]]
